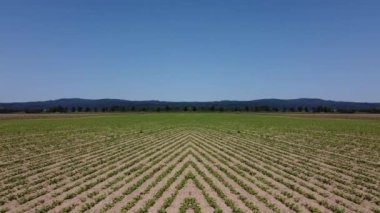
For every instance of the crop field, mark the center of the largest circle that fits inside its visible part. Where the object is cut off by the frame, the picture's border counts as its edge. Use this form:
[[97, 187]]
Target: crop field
[[189, 162]]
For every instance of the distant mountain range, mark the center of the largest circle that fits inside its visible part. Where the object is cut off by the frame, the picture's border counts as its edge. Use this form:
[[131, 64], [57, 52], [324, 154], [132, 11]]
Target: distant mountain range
[[269, 103]]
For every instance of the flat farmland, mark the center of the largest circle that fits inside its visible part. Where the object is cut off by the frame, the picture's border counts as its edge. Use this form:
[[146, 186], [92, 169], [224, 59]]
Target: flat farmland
[[189, 162]]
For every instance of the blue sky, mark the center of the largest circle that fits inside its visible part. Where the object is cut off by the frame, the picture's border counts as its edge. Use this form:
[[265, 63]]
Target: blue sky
[[189, 50]]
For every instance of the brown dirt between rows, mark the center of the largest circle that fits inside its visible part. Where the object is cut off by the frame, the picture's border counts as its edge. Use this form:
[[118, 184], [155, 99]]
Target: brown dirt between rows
[[99, 206], [208, 189], [332, 197], [119, 205], [190, 190], [75, 200], [189, 187]]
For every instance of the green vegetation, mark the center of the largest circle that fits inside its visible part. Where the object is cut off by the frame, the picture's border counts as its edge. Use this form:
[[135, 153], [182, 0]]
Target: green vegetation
[[240, 162]]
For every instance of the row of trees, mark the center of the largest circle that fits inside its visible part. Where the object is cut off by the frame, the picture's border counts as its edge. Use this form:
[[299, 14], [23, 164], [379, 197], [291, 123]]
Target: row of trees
[[194, 109], [186, 109]]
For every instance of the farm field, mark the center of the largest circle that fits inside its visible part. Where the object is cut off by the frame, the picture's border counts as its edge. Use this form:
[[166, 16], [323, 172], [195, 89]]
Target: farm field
[[189, 162]]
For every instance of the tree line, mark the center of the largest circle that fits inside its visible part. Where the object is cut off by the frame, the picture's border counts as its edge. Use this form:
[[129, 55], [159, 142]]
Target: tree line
[[212, 108]]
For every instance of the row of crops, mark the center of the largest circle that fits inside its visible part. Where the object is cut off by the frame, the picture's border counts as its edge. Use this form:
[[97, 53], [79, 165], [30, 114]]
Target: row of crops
[[179, 169]]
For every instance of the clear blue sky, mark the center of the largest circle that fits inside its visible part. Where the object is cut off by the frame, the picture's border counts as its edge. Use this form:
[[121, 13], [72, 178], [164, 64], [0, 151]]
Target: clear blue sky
[[192, 50]]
